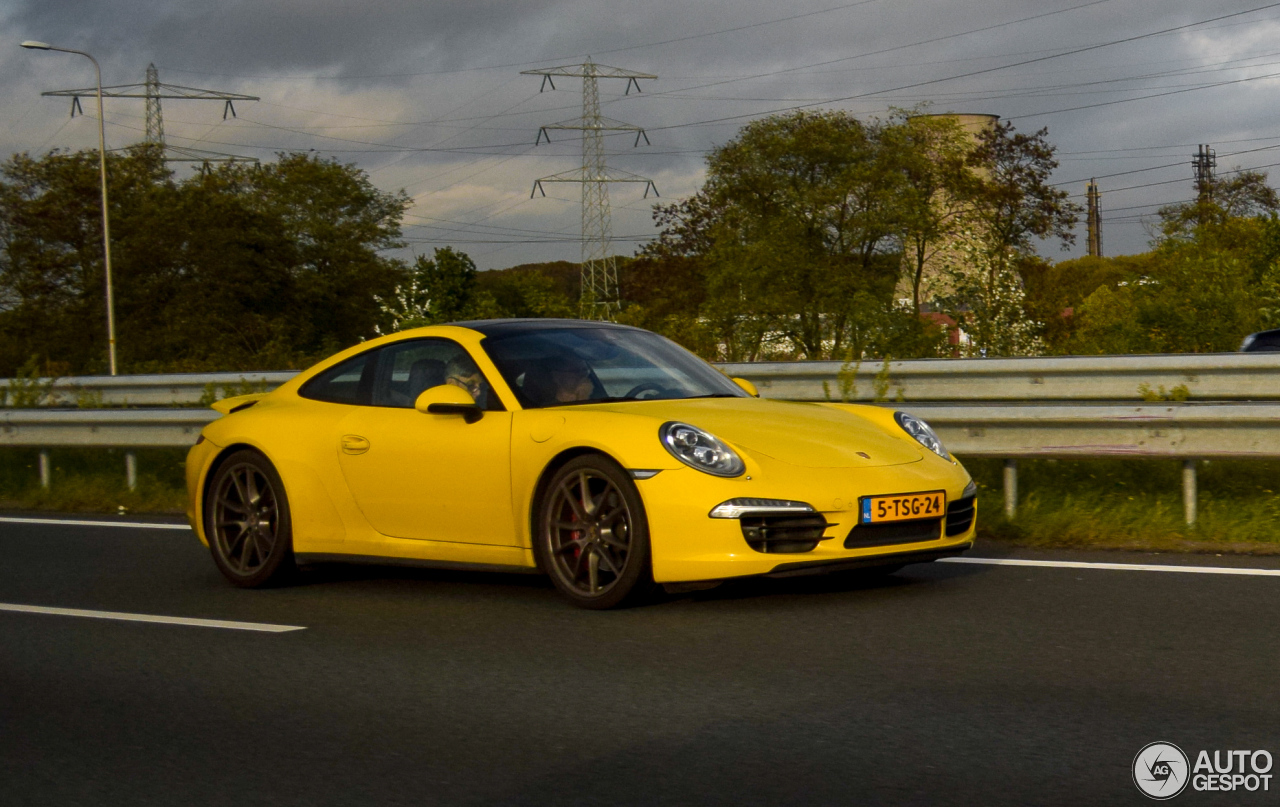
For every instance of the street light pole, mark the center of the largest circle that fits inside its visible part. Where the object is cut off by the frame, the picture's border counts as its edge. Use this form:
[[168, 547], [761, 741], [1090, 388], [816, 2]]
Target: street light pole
[[106, 222]]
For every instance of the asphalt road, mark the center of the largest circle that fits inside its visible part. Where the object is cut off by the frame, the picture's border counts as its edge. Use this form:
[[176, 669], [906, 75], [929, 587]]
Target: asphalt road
[[942, 684]]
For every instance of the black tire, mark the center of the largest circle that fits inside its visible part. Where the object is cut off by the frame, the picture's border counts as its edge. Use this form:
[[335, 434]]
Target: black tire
[[247, 522], [594, 546]]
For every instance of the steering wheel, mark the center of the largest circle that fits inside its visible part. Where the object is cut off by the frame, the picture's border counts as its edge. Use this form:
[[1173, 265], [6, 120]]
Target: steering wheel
[[648, 385]]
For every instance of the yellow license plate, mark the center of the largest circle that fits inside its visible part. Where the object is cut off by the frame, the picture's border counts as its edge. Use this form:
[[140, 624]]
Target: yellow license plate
[[903, 507]]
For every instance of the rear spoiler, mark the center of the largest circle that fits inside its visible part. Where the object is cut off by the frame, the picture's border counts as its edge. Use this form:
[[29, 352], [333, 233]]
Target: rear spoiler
[[228, 405]]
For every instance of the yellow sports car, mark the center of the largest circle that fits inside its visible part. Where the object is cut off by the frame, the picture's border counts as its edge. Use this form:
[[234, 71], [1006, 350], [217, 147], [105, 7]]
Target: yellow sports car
[[604, 456]]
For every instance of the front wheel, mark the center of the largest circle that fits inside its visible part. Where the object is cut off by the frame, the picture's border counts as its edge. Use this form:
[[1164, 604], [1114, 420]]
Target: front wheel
[[592, 535], [247, 522]]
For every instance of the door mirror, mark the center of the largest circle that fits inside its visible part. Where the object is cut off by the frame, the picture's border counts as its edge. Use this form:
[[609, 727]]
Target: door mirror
[[748, 386], [446, 399]]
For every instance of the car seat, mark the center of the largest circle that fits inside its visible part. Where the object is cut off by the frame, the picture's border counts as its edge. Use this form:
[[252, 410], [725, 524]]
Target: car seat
[[538, 387], [423, 375]]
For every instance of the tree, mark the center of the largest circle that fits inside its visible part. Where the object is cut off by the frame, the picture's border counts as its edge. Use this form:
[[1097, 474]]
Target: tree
[[447, 288], [1191, 303], [1056, 291], [337, 224], [988, 302], [799, 213], [1013, 202], [1207, 283], [1243, 195], [236, 268]]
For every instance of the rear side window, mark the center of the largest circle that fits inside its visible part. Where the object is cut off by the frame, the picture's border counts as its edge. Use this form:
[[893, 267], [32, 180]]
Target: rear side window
[[348, 383], [406, 369]]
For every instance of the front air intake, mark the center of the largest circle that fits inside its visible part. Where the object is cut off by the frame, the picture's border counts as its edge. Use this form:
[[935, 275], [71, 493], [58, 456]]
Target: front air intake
[[894, 532], [960, 514], [783, 532]]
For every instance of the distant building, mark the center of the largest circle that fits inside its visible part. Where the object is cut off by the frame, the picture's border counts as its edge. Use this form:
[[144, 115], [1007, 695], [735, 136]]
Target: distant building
[[934, 283]]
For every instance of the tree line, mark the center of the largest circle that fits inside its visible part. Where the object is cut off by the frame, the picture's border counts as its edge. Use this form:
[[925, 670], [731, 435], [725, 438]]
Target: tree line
[[237, 267], [815, 235]]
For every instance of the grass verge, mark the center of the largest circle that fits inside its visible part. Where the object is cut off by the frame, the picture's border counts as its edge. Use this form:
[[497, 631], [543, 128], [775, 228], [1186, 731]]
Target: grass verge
[[1133, 504], [92, 480]]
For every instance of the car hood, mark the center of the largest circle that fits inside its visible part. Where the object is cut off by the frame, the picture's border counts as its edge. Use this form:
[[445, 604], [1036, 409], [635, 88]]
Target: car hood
[[803, 434]]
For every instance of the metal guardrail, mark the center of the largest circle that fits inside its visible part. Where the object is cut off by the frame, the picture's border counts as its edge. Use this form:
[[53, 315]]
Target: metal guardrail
[[169, 389], [1210, 376], [1147, 431], [1186, 431], [103, 428], [114, 428], [1207, 377]]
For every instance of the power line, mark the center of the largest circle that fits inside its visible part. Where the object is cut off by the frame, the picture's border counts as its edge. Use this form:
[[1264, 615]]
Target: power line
[[1144, 97], [151, 91], [510, 65], [1071, 52]]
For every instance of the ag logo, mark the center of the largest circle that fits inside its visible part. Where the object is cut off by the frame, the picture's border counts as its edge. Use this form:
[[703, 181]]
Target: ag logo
[[1160, 770]]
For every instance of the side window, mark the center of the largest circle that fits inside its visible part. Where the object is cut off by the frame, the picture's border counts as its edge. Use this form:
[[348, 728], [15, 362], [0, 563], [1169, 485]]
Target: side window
[[406, 369], [347, 383]]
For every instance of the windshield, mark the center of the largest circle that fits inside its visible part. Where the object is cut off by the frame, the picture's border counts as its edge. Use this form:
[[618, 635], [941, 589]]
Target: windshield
[[564, 366]]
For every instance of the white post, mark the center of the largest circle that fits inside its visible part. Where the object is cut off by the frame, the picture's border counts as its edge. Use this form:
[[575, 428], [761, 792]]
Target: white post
[[45, 474], [131, 469], [1189, 490], [1010, 488]]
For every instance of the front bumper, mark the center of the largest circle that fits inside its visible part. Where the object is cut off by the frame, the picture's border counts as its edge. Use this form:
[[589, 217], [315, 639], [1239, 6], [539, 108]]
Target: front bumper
[[690, 546]]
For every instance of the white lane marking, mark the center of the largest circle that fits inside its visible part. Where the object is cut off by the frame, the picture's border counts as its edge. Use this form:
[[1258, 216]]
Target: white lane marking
[[163, 620], [1128, 567], [74, 523]]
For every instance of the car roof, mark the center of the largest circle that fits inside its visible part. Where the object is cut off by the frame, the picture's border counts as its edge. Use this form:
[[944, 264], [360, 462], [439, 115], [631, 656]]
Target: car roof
[[507, 327]]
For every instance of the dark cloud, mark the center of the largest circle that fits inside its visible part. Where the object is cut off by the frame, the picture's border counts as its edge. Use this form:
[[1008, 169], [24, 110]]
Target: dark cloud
[[370, 82]]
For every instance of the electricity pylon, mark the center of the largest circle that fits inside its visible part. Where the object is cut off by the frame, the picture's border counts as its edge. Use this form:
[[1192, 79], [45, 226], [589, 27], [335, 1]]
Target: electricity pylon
[[1095, 218], [599, 293], [155, 118], [1205, 161], [152, 91]]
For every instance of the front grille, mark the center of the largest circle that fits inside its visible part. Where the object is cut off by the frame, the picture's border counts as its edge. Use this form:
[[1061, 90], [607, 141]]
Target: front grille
[[895, 532], [960, 514], [783, 533]]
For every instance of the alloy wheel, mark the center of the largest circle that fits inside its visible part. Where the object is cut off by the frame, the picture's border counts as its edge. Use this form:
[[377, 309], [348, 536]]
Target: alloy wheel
[[589, 528], [246, 519]]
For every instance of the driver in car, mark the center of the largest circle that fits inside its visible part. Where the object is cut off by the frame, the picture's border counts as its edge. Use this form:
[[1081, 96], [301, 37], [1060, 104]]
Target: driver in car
[[462, 372], [571, 378]]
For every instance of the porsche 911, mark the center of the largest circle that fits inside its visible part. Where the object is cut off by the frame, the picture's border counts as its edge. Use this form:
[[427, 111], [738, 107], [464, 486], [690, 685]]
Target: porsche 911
[[604, 456]]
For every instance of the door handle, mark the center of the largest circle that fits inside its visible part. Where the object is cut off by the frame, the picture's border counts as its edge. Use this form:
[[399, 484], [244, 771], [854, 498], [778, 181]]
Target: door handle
[[354, 444]]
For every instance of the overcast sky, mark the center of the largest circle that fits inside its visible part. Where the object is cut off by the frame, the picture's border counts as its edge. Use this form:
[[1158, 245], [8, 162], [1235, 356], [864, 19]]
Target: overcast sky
[[427, 95]]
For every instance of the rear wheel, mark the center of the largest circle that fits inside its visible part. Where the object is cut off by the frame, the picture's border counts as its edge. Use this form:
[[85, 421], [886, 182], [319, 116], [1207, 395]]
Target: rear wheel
[[247, 522], [592, 535]]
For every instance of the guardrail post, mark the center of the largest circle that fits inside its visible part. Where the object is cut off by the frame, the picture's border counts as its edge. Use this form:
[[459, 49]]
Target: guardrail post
[[45, 475], [1010, 488], [1189, 490], [131, 469]]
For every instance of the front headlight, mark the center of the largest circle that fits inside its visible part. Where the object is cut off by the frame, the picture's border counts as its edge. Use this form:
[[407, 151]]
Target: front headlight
[[699, 449], [923, 435]]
